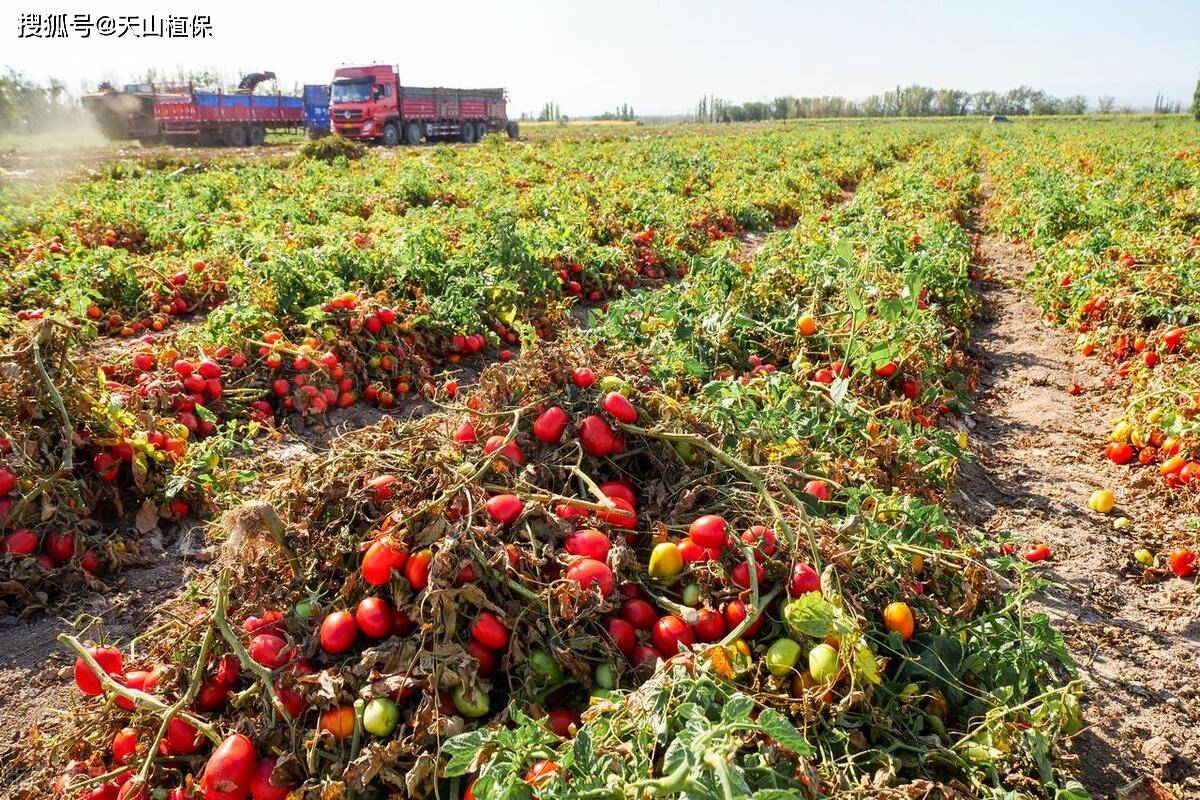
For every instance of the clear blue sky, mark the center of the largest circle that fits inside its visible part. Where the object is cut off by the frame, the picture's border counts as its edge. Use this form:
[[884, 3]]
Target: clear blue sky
[[661, 56]]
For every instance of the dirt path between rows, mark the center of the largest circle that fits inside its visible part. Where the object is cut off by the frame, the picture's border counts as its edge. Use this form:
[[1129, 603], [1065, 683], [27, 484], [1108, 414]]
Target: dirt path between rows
[[1136, 640]]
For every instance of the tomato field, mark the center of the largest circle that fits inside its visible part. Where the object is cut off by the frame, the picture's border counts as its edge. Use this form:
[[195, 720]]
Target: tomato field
[[610, 465]]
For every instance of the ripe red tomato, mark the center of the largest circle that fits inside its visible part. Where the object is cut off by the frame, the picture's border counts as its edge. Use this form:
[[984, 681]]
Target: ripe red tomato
[[1119, 452], [622, 634], [804, 579], [669, 633], [910, 388], [541, 773], [589, 543], [486, 658], [596, 436], [375, 617], [762, 539], [416, 571], [182, 739], [213, 695], [619, 490], [504, 508], [124, 745], [290, 699], [708, 531], [620, 408], [109, 660], [693, 552], [489, 631], [338, 632], [588, 572], [261, 787], [709, 626], [141, 680], [623, 516], [734, 612], [230, 769], [1037, 552], [380, 487], [1182, 561], [270, 650], [639, 614], [563, 721], [583, 377], [8, 481], [465, 433], [381, 558], [886, 370], [818, 489], [550, 424], [21, 542], [741, 574], [511, 451]]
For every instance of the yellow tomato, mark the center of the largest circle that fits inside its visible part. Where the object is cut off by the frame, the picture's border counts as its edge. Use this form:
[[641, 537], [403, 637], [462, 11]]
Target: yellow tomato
[[1102, 501], [666, 562]]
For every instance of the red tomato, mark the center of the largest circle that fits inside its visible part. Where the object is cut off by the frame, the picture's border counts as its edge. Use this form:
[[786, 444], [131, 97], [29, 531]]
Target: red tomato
[[741, 574], [589, 571], [550, 424], [618, 405], [1037, 552], [21, 542], [563, 721], [511, 451], [762, 539], [734, 612], [596, 436], [270, 650], [489, 631], [1119, 452], [622, 634], [541, 773], [381, 487], [588, 543], [818, 489], [416, 571], [709, 626], [230, 769], [338, 632], [669, 633], [213, 695], [142, 681], [486, 658], [910, 388], [381, 558], [504, 508], [59, 546], [1182, 561], [583, 377], [182, 739], [639, 614], [886, 370], [708, 531], [375, 617], [465, 433], [618, 489], [804, 579], [124, 745], [109, 660], [261, 787], [623, 516]]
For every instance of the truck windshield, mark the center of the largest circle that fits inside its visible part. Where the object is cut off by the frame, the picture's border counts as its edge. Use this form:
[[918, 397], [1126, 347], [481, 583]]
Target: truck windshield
[[351, 92]]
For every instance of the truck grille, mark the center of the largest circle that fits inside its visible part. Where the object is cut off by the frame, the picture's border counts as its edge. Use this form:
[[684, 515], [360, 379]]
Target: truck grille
[[349, 115]]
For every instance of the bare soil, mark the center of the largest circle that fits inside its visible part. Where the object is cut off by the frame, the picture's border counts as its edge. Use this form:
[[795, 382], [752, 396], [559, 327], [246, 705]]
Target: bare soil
[[1135, 636]]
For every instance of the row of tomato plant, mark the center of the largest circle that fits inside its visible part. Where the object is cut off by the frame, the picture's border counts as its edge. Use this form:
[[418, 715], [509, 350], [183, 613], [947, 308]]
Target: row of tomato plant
[[1112, 217], [697, 550]]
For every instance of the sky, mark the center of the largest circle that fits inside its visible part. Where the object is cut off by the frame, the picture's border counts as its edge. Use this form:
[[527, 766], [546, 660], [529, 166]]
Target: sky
[[660, 57]]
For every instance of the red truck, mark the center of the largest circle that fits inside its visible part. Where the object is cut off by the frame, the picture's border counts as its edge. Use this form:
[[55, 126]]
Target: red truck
[[369, 103]]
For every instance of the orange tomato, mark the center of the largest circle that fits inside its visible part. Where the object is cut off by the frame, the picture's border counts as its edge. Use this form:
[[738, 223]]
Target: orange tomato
[[339, 721], [898, 617], [807, 325], [1172, 465]]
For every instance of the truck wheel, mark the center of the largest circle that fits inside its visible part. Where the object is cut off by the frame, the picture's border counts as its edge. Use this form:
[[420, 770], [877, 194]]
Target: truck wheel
[[257, 135], [514, 130], [412, 133], [235, 136], [391, 135], [466, 132], [481, 131]]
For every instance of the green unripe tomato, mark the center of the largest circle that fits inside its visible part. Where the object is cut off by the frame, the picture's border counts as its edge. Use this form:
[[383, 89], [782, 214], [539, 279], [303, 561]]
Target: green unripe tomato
[[605, 677], [823, 663], [782, 657], [380, 717], [691, 595], [304, 609], [611, 383], [470, 701], [685, 452], [544, 668]]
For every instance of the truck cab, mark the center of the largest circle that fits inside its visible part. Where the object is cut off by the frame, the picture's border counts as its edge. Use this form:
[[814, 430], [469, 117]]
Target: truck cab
[[363, 101]]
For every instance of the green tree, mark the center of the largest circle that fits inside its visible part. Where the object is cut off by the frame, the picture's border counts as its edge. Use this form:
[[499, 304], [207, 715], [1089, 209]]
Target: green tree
[[1196, 101]]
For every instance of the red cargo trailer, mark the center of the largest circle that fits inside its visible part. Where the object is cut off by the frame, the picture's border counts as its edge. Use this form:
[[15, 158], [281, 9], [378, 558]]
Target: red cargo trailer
[[370, 103]]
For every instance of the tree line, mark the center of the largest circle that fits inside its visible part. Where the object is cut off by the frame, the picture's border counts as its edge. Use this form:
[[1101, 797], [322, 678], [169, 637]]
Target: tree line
[[912, 101]]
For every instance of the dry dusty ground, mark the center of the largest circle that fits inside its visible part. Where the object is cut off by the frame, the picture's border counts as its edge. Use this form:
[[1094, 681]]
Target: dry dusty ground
[[1136, 639]]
